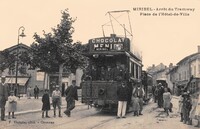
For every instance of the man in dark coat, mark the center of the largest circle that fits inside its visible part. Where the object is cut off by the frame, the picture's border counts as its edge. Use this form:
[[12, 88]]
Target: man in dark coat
[[46, 103], [122, 95], [3, 96], [160, 95], [71, 96], [36, 92]]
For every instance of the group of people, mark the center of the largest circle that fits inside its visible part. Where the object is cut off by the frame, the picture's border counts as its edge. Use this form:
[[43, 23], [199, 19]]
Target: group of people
[[71, 96], [162, 96], [189, 107], [36, 91], [136, 101], [6, 95], [108, 73]]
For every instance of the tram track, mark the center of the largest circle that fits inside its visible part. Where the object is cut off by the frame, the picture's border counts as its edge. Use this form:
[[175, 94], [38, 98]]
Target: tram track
[[11, 124]]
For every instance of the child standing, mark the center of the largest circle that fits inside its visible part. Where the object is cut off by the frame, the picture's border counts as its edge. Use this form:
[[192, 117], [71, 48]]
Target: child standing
[[56, 100], [12, 104], [45, 103], [136, 105]]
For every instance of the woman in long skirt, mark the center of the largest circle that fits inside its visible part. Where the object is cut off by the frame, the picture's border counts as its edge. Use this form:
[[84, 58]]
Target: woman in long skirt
[[167, 100]]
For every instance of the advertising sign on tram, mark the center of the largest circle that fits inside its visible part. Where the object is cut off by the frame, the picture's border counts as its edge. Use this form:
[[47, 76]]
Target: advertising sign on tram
[[109, 44]]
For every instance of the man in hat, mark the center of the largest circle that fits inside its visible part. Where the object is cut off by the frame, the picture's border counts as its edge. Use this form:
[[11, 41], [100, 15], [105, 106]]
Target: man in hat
[[56, 100], [139, 91], [3, 96], [71, 96], [122, 95]]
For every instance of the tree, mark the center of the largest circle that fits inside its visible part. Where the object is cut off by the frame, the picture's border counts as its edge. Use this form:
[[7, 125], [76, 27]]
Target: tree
[[7, 60], [56, 50]]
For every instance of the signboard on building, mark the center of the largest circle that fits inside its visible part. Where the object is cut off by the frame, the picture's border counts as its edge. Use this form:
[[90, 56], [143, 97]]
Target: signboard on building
[[40, 76]]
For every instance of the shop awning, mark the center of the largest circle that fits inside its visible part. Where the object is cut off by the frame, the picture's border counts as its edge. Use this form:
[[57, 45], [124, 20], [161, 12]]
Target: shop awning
[[20, 80]]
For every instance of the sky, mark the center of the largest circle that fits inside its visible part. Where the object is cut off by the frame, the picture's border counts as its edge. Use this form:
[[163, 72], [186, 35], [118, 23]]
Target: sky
[[159, 39]]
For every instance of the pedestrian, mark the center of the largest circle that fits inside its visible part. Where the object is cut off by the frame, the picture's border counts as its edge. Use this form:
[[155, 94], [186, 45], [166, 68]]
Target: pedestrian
[[180, 106], [156, 94], [187, 106], [139, 91], [3, 96], [122, 95], [160, 95], [56, 100], [167, 101], [28, 93], [71, 96], [194, 110], [12, 105], [36, 92], [135, 105], [197, 112], [45, 103]]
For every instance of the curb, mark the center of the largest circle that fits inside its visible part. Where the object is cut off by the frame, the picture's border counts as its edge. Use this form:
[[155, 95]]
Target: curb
[[34, 111]]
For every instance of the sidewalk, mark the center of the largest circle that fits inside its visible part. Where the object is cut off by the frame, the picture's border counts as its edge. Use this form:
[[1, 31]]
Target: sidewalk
[[32, 105]]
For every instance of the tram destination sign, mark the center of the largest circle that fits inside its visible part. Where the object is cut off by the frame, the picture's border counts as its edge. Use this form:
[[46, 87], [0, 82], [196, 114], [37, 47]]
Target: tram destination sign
[[108, 44]]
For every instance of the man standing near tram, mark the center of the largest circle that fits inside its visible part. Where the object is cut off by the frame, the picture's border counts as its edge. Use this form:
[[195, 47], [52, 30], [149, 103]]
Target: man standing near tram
[[139, 91]]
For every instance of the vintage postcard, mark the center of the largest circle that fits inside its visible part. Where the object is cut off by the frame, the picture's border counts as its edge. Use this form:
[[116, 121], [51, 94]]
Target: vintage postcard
[[109, 64]]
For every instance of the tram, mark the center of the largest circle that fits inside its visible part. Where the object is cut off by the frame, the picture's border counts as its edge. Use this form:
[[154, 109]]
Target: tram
[[147, 82], [99, 84]]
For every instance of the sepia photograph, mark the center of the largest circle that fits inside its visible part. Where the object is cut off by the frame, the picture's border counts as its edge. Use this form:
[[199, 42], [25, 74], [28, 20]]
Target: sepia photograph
[[109, 64]]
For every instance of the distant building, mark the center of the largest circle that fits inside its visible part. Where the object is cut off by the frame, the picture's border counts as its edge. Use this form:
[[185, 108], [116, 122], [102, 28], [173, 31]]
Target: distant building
[[28, 77], [159, 72], [187, 67], [23, 74]]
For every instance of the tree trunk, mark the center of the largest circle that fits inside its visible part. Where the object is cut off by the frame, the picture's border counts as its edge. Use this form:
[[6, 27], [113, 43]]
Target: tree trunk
[[45, 84], [60, 75]]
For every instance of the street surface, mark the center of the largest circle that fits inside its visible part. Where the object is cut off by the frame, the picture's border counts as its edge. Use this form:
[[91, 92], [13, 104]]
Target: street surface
[[84, 118]]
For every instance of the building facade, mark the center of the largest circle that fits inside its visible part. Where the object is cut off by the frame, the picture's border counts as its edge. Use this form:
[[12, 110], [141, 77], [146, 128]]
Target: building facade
[[28, 77], [185, 68]]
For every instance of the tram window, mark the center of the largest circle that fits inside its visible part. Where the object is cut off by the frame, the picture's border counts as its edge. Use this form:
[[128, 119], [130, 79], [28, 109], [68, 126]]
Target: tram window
[[132, 69], [137, 75]]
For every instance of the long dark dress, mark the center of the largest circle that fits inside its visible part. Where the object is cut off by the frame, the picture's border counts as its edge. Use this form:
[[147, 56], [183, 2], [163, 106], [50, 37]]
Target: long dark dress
[[46, 102]]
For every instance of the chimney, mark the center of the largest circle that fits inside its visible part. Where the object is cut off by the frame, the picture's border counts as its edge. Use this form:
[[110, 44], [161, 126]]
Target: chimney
[[198, 48]]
